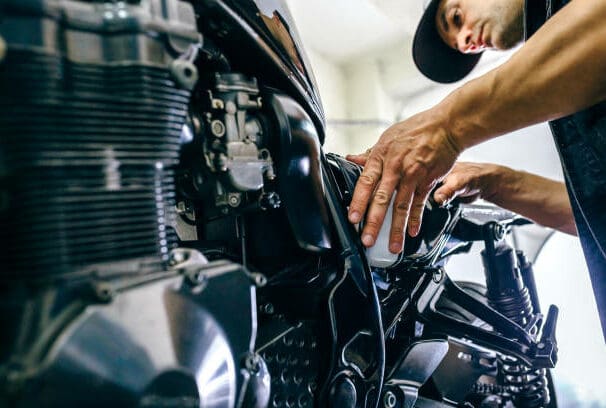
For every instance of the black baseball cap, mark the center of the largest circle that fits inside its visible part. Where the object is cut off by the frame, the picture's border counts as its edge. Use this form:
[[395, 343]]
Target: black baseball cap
[[434, 58]]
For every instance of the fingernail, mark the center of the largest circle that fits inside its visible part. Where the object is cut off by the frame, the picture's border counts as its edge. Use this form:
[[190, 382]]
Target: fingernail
[[395, 248], [367, 240], [354, 217], [413, 230], [440, 198]]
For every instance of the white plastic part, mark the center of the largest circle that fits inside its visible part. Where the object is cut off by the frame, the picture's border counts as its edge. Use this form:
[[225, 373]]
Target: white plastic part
[[378, 255]]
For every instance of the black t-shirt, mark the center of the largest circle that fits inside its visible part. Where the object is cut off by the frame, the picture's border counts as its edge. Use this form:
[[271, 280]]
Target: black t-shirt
[[581, 142]]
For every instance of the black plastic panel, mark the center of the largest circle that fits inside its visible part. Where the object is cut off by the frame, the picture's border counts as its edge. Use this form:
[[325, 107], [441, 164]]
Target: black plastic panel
[[300, 175]]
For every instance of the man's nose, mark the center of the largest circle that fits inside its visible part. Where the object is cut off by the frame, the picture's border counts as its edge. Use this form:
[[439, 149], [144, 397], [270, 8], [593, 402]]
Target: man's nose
[[464, 42]]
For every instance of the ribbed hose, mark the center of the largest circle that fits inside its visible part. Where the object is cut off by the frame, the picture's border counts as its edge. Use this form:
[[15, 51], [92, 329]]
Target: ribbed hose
[[85, 158]]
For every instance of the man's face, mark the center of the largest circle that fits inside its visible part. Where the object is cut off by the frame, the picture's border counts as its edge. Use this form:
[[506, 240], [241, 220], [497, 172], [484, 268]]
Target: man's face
[[472, 26]]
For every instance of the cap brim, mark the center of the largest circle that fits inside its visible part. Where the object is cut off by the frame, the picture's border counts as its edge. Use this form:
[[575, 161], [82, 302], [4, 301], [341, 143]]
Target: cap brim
[[436, 60]]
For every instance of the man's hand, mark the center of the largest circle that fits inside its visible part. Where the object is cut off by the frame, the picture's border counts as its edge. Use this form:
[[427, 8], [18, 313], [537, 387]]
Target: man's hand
[[410, 158], [468, 182], [542, 200]]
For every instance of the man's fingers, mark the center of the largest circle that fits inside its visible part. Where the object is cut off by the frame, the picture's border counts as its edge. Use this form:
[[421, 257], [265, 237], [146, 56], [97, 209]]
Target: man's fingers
[[365, 186], [401, 209], [454, 185], [445, 193], [416, 212], [359, 159], [378, 208]]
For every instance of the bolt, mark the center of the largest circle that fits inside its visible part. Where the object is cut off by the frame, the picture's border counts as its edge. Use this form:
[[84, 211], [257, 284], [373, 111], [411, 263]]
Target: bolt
[[438, 275], [268, 308], [390, 400], [234, 200], [252, 362], [104, 292], [217, 128]]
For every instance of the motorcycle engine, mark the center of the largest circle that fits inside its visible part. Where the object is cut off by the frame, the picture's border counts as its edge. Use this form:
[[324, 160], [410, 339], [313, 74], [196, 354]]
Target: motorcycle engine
[[101, 306]]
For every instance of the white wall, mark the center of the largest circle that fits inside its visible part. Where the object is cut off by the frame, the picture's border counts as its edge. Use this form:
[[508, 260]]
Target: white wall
[[332, 82], [364, 95]]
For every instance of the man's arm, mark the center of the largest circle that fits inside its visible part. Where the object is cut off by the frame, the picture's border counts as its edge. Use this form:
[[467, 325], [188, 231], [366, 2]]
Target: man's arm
[[559, 71], [542, 200]]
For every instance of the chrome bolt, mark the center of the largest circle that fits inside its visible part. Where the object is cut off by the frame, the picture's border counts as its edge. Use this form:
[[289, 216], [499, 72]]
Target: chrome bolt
[[234, 200], [438, 275], [389, 400]]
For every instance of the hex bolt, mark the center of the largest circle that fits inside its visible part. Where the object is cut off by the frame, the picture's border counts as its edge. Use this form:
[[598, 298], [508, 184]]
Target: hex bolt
[[390, 400], [234, 200]]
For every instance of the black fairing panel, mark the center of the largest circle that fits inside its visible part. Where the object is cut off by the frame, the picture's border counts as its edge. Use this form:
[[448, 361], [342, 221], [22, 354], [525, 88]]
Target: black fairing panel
[[300, 172]]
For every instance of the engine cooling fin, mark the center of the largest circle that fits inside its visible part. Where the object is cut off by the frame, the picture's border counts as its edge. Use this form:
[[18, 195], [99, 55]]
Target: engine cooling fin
[[85, 163]]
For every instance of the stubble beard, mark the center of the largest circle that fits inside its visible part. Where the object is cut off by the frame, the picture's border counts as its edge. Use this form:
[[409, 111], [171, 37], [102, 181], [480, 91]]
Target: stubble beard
[[511, 22]]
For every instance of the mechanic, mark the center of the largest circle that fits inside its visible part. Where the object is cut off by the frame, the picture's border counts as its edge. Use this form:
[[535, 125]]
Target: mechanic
[[557, 75]]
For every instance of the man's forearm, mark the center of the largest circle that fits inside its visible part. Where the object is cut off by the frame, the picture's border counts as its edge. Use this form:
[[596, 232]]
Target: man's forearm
[[559, 71], [542, 200]]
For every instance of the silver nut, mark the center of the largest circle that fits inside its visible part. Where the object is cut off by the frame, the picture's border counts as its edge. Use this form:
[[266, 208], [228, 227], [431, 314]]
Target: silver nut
[[390, 400]]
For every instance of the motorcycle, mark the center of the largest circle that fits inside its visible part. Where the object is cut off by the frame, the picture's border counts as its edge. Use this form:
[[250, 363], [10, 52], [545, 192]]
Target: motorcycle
[[174, 235]]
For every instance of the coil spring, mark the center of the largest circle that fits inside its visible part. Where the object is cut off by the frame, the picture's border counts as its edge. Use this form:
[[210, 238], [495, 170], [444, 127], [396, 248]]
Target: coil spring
[[527, 387], [489, 389]]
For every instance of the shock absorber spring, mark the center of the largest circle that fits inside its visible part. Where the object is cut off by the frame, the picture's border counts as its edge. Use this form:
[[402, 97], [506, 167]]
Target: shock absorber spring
[[528, 387], [509, 295]]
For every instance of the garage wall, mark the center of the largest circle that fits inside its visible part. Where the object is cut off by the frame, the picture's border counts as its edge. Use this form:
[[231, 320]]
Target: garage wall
[[365, 95]]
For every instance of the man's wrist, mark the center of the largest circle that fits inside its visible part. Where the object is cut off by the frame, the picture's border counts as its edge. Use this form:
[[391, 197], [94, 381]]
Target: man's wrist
[[455, 123], [499, 182]]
